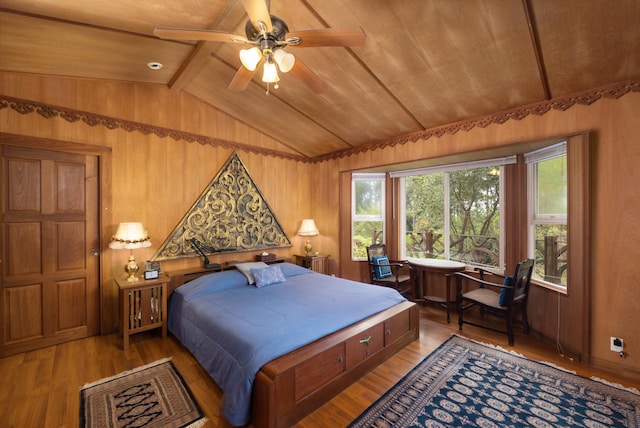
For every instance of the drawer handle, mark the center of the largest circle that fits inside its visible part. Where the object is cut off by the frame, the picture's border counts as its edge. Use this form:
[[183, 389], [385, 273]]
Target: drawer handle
[[340, 359], [366, 340], [388, 332]]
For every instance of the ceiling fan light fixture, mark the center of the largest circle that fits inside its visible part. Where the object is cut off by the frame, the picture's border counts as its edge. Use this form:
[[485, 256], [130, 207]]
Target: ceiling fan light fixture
[[250, 58], [270, 73], [284, 60]]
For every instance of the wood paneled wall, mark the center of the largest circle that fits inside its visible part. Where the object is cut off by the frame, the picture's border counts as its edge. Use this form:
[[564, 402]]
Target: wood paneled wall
[[155, 180], [615, 201]]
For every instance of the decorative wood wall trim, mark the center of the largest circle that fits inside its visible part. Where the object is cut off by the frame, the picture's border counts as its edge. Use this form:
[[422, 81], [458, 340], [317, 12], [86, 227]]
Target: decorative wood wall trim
[[70, 115], [615, 90], [588, 97]]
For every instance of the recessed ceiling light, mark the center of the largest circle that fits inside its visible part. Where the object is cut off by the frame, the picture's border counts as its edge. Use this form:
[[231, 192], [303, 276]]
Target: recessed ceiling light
[[154, 65]]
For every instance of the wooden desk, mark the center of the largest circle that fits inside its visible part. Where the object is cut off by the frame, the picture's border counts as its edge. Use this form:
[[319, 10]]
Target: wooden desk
[[424, 266]]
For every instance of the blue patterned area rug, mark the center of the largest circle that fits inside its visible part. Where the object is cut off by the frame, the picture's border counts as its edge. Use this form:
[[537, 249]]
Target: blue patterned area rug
[[468, 384], [151, 396]]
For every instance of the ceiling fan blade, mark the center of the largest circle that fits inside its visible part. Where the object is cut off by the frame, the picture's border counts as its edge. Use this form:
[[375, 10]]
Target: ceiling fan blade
[[308, 77], [189, 34], [330, 37], [258, 11], [241, 79]]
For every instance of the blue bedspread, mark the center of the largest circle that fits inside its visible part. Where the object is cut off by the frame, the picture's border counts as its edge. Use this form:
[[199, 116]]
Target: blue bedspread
[[233, 328]]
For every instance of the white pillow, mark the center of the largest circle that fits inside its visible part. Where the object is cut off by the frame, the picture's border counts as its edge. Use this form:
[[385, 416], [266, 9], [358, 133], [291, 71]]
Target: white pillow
[[245, 268]]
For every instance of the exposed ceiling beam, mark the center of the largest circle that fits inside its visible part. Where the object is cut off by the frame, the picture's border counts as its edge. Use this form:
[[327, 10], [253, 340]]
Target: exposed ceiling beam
[[234, 12], [537, 49]]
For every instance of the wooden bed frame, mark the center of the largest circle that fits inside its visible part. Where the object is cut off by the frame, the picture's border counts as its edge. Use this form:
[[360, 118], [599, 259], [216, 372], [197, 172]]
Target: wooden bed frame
[[292, 386]]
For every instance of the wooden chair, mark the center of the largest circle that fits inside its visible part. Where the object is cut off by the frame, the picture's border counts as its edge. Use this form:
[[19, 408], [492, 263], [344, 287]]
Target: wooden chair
[[385, 272], [500, 299]]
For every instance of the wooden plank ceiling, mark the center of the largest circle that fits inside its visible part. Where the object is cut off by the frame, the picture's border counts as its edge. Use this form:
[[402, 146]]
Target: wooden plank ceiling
[[424, 63]]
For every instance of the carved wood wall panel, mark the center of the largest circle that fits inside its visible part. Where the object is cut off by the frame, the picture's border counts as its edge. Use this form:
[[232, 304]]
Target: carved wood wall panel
[[231, 215]]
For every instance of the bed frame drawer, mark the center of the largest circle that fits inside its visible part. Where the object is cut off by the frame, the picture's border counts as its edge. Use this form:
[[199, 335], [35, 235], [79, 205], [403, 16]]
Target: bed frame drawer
[[363, 345], [396, 327], [319, 370], [292, 386]]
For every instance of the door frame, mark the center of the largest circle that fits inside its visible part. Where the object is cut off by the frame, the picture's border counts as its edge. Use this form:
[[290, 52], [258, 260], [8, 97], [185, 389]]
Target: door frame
[[104, 156]]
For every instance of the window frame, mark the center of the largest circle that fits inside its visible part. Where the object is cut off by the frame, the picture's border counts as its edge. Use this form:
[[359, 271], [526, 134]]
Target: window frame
[[447, 169], [579, 169], [532, 159], [375, 176]]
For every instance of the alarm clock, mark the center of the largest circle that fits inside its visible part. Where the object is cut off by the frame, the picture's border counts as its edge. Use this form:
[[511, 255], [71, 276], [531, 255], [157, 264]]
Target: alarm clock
[[152, 270], [151, 274]]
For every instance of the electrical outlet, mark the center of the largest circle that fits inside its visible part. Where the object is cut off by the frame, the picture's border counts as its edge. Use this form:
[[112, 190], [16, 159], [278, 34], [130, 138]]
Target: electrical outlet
[[617, 344]]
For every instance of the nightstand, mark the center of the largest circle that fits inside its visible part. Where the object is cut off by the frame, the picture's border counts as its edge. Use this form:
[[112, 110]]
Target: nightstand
[[317, 263], [143, 306]]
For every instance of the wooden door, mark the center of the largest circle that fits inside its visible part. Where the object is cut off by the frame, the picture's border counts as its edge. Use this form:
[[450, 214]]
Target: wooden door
[[50, 270]]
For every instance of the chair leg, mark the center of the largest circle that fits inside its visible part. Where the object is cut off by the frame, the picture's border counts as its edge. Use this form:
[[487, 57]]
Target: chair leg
[[459, 307], [525, 320], [509, 320]]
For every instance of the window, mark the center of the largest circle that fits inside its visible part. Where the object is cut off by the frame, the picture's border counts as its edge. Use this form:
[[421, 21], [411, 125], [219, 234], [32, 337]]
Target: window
[[454, 212], [547, 240], [367, 212]]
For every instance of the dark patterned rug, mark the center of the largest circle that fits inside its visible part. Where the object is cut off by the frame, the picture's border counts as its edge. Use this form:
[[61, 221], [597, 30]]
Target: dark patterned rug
[[151, 396], [465, 383]]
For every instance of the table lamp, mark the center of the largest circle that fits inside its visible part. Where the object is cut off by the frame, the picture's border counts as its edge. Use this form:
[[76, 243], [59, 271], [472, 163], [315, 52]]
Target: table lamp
[[308, 228], [130, 236]]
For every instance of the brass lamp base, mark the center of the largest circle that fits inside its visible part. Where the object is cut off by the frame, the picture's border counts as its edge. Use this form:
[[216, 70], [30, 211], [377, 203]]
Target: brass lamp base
[[307, 247], [132, 268]]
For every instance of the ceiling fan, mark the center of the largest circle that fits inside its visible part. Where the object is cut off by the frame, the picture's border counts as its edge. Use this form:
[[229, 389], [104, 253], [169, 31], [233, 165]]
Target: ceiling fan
[[269, 35]]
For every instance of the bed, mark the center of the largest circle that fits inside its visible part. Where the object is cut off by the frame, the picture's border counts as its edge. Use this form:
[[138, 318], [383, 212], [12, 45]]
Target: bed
[[283, 346]]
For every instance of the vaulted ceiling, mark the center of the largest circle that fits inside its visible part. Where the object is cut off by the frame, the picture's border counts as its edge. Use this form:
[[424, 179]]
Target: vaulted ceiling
[[425, 63]]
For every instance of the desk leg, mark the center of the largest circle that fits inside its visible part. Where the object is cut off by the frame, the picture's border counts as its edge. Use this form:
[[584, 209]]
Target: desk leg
[[447, 302], [420, 289]]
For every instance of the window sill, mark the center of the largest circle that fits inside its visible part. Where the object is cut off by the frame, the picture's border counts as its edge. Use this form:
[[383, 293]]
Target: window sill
[[549, 286]]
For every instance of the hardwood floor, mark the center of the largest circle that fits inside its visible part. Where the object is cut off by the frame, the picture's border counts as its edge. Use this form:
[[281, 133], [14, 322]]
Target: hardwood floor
[[41, 388]]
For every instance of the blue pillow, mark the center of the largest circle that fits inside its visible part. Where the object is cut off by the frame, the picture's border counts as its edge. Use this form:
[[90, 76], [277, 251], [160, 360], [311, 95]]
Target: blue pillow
[[212, 283], [508, 281], [267, 276], [381, 271], [289, 269]]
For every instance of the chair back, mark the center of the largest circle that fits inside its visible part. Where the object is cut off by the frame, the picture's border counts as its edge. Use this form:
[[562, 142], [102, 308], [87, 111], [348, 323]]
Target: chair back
[[376, 250], [522, 279]]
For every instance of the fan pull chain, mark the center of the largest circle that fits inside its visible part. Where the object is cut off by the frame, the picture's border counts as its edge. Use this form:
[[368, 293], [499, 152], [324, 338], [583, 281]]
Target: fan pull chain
[[276, 86]]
